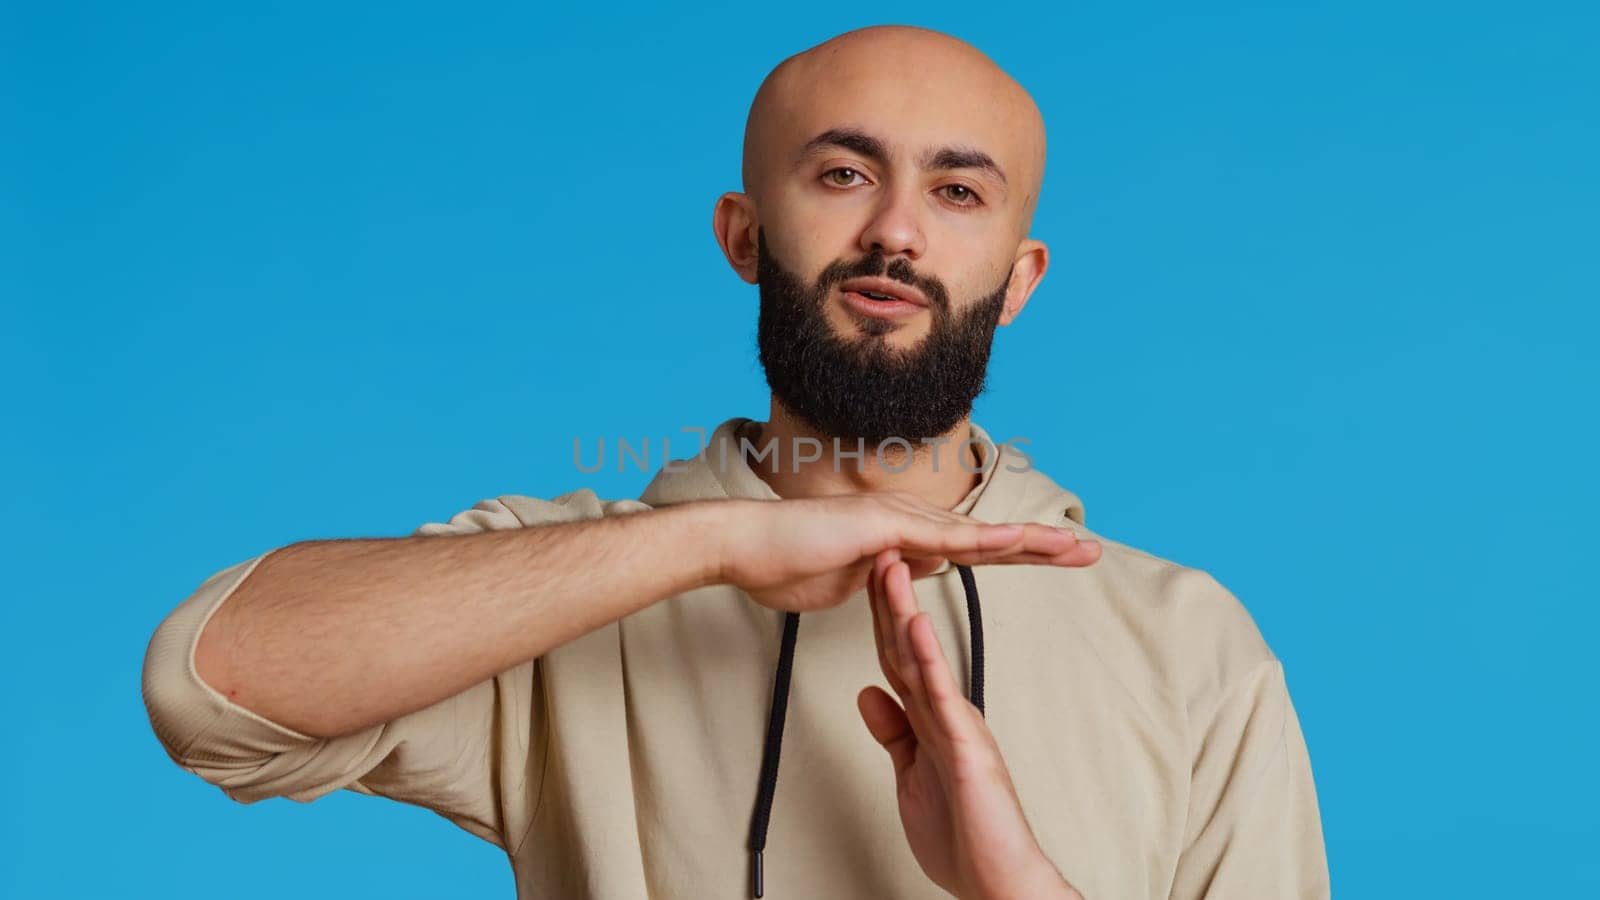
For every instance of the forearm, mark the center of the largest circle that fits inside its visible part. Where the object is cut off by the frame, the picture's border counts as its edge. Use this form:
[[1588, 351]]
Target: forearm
[[329, 637]]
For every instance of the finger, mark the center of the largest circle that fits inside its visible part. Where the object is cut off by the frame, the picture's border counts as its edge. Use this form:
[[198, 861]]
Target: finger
[[1039, 544], [1045, 539], [882, 625], [884, 560], [1078, 557], [887, 724], [951, 711], [1080, 554], [897, 656], [899, 604], [927, 536], [978, 541], [922, 566], [902, 603]]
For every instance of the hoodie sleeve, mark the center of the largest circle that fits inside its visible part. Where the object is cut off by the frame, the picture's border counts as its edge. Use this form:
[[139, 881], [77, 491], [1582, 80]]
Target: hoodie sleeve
[[1253, 829], [466, 757]]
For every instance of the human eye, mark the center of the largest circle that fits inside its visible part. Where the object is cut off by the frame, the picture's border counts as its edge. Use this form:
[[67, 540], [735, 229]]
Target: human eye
[[961, 195], [832, 176]]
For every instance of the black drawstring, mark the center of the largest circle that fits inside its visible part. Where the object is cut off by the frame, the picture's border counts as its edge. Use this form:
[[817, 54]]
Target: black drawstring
[[769, 755], [780, 707]]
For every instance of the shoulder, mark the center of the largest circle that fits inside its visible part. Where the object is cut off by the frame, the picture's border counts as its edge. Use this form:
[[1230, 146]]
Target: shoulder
[[518, 511], [1183, 621], [1206, 642]]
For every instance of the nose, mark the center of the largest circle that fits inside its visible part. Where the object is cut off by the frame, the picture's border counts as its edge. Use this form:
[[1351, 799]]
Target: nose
[[894, 227]]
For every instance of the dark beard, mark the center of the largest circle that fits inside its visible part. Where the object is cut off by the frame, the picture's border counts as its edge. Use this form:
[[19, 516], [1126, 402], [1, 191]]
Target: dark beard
[[862, 387]]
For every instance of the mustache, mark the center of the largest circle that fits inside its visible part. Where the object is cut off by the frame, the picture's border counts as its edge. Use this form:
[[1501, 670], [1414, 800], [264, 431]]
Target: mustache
[[872, 266]]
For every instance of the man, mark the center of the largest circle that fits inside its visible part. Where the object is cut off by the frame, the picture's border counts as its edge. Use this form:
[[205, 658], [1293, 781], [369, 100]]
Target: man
[[604, 688]]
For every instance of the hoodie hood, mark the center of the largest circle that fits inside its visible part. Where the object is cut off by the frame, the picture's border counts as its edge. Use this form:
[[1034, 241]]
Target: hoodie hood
[[1008, 490]]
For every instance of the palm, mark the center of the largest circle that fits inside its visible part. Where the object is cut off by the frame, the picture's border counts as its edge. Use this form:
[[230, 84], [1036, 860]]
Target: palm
[[961, 814], [790, 591], [925, 814]]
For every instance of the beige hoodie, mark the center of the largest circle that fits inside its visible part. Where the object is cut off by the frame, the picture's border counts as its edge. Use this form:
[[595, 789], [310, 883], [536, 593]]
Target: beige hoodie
[[1145, 722]]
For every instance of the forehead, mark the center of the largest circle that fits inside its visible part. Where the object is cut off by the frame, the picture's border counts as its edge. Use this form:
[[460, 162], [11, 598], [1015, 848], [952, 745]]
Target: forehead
[[913, 105]]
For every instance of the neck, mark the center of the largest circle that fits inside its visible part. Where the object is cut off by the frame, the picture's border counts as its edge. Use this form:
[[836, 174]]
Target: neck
[[942, 471]]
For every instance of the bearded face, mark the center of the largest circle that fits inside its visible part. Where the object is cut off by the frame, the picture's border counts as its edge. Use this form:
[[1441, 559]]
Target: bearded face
[[860, 385]]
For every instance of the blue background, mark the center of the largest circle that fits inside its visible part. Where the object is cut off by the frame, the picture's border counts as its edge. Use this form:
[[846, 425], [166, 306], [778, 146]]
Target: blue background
[[1320, 320]]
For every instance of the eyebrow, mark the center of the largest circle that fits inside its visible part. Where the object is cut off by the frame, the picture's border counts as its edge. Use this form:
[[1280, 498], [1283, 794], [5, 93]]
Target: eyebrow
[[875, 149]]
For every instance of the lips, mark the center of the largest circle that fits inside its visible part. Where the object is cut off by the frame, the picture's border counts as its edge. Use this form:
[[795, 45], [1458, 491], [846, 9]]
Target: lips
[[883, 290], [861, 303]]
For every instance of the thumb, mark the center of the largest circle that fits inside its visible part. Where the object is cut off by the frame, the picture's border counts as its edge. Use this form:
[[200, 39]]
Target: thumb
[[888, 725]]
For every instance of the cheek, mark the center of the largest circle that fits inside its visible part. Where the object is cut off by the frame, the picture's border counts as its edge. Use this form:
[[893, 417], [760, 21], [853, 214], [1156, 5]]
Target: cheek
[[806, 246], [819, 225], [969, 229], [975, 284]]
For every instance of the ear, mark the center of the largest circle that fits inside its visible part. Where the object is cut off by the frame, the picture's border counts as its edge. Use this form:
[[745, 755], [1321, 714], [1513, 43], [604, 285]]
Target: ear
[[1033, 257], [734, 224]]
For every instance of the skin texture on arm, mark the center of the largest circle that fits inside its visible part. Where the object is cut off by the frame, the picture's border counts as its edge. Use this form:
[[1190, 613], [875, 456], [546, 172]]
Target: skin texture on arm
[[330, 637]]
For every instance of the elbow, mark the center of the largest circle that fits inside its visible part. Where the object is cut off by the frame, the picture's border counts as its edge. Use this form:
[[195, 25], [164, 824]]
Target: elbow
[[249, 756], [225, 745], [170, 689], [192, 717]]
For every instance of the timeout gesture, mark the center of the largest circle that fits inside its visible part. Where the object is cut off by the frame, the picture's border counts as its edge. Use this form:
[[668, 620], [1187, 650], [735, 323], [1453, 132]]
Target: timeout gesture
[[809, 554]]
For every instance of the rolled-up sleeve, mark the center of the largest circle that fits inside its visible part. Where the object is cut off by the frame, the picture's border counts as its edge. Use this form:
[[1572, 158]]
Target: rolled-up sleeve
[[1253, 828], [466, 757]]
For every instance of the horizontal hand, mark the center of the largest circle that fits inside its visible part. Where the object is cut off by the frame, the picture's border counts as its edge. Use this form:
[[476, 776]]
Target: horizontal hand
[[813, 553]]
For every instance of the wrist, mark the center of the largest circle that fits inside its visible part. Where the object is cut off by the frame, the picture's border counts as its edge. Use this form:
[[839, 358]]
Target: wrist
[[708, 540]]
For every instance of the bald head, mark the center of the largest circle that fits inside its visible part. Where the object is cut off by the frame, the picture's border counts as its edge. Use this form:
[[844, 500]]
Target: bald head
[[911, 91], [898, 154]]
